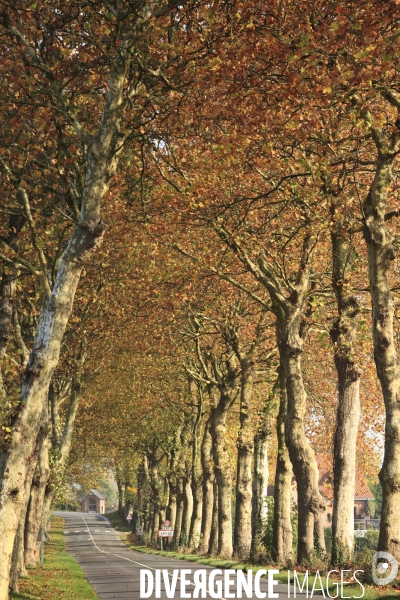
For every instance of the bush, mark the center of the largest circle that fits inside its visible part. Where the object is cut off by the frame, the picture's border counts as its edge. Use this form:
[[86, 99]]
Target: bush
[[363, 561], [69, 506], [267, 534], [369, 542], [328, 539]]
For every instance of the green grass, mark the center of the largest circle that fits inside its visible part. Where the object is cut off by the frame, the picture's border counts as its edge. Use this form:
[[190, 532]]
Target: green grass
[[61, 578], [118, 522], [348, 590]]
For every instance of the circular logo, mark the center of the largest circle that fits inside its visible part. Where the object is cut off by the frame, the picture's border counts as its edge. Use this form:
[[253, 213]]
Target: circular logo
[[384, 571]]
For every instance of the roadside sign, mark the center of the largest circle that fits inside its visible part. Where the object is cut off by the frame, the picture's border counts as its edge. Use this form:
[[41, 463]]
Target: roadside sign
[[165, 533], [129, 517], [140, 530], [167, 524]]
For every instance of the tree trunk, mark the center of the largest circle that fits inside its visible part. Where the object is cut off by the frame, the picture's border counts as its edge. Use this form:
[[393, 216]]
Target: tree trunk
[[179, 511], [223, 477], [260, 486], [144, 491], [121, 498], [18, 568], [290, 331], [244, 477], [195, 524], [214, 535], [172, 505], [197, 476], [381, 254], [288, 300], [155, 525], [173, 478], [208, 489], [34, 520], [310, 501], [187, 510], [343, 335], [102, 158], [163, 512], [64, 445], [157, 487], [282, 537], [150, 522]]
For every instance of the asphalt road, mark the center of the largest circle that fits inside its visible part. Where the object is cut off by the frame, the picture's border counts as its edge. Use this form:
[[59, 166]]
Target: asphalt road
[[114, 570]]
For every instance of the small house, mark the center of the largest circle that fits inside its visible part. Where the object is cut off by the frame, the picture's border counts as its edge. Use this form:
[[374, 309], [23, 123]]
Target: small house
[[93, 502], [362, 498]]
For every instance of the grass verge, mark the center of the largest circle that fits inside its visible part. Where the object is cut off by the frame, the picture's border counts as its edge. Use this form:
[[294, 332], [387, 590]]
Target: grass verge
[[61, 578], [349, 590], [118, 522]]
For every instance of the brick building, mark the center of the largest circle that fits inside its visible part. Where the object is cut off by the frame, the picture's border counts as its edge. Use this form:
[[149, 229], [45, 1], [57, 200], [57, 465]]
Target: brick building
[[93, 502]]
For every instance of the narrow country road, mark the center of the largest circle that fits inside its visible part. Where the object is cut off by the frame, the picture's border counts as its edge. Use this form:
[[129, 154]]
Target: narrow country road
[[114, 570]]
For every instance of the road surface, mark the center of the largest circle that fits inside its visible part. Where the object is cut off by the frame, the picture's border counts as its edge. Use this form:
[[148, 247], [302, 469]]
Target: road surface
[[114, 570]]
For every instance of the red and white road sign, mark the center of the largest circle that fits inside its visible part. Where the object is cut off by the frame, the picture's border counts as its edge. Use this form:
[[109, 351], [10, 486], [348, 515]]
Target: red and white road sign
[[129, 518], [165, 533], [167, 524]]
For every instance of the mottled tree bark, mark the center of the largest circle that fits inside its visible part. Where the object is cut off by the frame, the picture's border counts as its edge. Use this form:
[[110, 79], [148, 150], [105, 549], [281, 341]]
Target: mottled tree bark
[[18, 566], [208, 488], [157, 487], [34, 514], [172, 504], [102, 157], [343, 336], [282, 538], [222, 374], [179, 511], [288, 299], [144, 491], [244, 476], [197, 474], [62, 444], [187, 508], [310, 502], [214, 535], [173, 478], [381, 254], [223, 477], [260, 484], [155, 525]]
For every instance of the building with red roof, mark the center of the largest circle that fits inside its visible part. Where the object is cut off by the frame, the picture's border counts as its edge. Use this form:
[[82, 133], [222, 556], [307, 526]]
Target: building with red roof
[[362, 495]]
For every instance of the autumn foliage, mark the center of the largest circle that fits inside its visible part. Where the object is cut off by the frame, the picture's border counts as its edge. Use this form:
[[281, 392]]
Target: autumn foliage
[[198, 235]]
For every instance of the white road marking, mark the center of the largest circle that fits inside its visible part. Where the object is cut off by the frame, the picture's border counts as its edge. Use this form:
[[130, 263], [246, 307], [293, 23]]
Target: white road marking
[[129, 559]]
